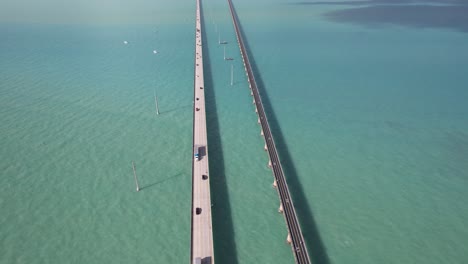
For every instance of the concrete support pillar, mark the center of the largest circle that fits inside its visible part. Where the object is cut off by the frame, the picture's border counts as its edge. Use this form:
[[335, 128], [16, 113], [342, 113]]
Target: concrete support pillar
[[261, 132], [265, 148], [258, 121], [275, 185], [251, 93], [256, 110], [269, 163], [288, 239], [280, 209], [253, 101]]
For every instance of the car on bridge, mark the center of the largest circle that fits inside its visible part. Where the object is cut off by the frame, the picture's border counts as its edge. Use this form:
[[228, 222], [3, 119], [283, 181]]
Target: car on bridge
[[196, 153]]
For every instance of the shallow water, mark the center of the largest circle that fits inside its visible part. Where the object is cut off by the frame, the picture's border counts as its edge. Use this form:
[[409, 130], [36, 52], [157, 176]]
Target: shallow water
[[369, 121]]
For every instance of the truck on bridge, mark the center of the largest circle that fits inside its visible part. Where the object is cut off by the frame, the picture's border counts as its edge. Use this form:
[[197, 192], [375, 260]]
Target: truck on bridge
[[196, 152]]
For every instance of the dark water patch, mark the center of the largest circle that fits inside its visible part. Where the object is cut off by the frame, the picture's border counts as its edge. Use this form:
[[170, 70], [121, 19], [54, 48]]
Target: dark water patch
[[383, 2], [223, 229], [454, 17], [309, 227], [335, 3]]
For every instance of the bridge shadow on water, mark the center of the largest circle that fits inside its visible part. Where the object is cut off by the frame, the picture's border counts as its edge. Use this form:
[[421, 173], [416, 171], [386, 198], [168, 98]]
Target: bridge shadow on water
[[314, 243], [223, 228]]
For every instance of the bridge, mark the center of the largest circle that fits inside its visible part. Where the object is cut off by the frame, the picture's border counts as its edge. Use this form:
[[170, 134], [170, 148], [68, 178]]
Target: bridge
[[294, 237], [201, 249]]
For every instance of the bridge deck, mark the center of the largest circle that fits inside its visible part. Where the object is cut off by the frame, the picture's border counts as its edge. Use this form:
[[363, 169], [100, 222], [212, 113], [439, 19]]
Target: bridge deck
[[201, 229], [297, 240]]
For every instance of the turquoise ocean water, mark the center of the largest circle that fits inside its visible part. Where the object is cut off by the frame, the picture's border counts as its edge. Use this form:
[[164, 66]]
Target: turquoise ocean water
[[370, 122]]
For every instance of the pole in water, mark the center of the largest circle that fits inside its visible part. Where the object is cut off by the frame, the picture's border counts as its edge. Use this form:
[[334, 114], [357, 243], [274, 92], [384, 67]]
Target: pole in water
[[224, 52], [136, 179], [232, 74], [156, 103]]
